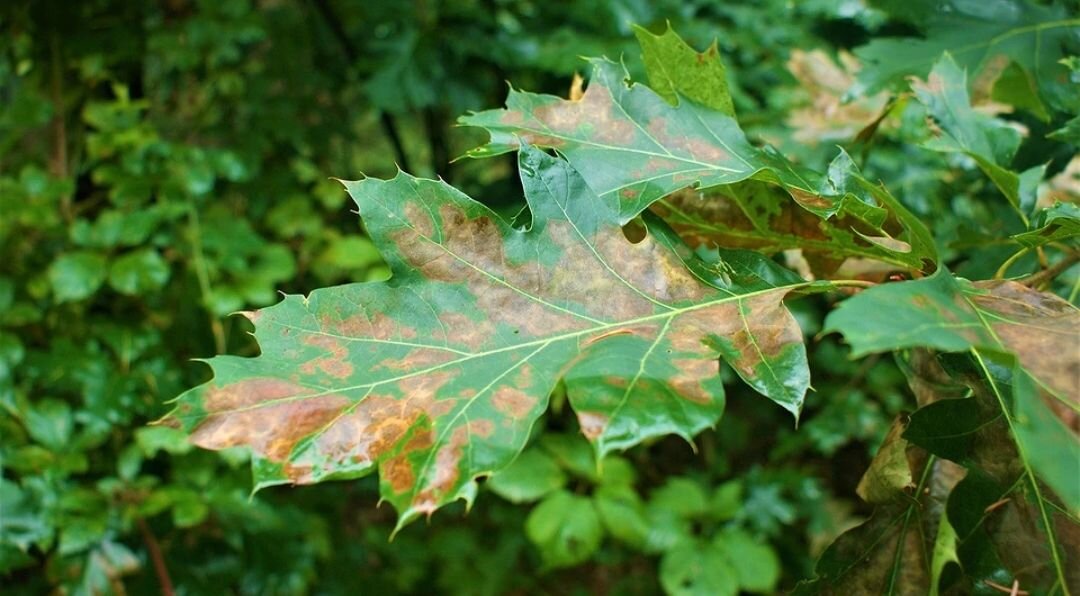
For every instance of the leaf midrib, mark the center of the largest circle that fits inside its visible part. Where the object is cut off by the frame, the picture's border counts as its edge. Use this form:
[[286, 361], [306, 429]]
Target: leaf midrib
[[472, 356]]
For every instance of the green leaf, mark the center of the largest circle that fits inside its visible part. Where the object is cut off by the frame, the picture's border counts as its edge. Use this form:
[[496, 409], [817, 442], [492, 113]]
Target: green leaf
[[76, 275], [1015, 88], [532, 475], [436, 376], [727, 500], [755, 562], [675, 69], [1070, 133], [992, 143], [23, 525], [693, 569], [682, 496], [950, 428], [51, 423], [566, 528], [1032, 36], [153, 439], [138, 272], [634, 148], [623, 515], [944, 553], [573, 454]]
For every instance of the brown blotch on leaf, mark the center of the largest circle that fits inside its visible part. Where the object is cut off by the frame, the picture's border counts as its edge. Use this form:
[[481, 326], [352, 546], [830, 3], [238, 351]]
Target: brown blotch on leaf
[[592, 424], [335, 364], [596, 109], [513, 402], [1041, 329], [810, 200], [443, 477], [481, 428], [262, 428]]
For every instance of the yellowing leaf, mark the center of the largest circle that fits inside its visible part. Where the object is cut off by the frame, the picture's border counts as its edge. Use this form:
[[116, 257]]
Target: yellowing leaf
[[436, 376]]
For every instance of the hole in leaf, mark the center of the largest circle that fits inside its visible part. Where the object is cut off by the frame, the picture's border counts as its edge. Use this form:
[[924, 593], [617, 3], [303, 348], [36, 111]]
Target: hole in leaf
[[635, 230]]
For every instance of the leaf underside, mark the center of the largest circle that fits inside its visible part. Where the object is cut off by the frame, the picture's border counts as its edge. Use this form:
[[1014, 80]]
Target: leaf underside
[[436, 376]]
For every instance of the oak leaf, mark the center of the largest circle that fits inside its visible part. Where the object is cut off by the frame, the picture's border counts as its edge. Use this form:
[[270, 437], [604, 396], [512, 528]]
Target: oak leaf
[[436, 376]]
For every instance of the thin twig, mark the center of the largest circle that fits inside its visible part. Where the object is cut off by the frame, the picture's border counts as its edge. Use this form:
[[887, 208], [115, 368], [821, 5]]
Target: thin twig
[[995, 505], [1047, 275], [1014, 590], [156, 557]]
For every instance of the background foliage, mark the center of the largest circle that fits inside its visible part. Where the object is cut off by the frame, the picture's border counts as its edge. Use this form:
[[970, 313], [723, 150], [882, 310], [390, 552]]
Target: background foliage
[[164, 164]]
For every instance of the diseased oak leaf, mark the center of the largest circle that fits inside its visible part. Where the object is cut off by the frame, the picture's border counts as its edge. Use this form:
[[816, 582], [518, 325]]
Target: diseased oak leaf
[[436, 376], [1031, 336], [889, 553], [631, 144]]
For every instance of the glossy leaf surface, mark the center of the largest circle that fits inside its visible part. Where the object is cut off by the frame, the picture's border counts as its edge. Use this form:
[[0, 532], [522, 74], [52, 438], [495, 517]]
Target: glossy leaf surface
[[436, 376]]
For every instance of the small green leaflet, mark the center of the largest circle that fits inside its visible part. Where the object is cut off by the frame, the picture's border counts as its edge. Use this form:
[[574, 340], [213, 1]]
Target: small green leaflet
[[436, 376], [677, 70], [979, 35]]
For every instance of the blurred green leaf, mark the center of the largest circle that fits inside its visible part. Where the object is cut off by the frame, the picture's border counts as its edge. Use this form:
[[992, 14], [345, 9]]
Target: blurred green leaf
[[755, 563], [138, 272], [682, 496], [692, 569], [77, 275], [532, 475], [566, 528], [1033, 36]]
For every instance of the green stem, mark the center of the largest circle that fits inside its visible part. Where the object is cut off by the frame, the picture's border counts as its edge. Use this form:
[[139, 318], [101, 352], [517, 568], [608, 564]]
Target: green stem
[[1009, 262], [898, 559], [203, 275]]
